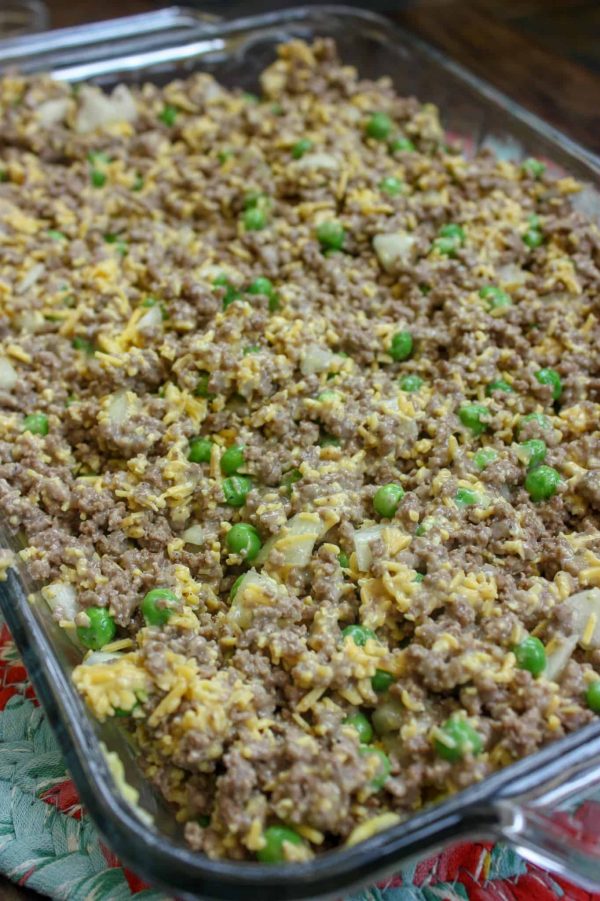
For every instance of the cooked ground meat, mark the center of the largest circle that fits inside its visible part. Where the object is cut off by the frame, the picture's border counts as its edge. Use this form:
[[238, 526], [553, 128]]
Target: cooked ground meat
[[299, 421]]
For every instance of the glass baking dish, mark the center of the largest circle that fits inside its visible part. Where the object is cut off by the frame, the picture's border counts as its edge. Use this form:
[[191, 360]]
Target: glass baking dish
[[528, 802]]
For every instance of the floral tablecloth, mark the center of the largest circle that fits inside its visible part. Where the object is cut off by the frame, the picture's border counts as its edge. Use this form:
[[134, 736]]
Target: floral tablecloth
[[48, 843]]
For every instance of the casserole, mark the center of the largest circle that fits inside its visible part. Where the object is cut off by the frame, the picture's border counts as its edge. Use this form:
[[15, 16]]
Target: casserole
[[487, 806]]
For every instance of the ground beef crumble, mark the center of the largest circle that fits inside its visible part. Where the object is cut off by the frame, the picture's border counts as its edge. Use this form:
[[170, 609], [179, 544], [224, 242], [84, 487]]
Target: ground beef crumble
[[317, 278]]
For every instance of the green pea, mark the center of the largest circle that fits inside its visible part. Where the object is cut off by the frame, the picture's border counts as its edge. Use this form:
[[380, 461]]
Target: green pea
[[200, 450], [534, 451], [289, 478], [157, 606], [381, 681], [301, 147], [328, 397], [459, 739], [331, 235], [276, 838], [274, 303], [232, 459], [101, 630], [120, 712], [253, 199], [379, 126], [391, 186], [387, 499], [401, 346], [168, 114], [234, 588], [533, 238], [592, 696], [411, 383], [203, 820], [3, 175], [384, 766], [343, 560], [534, 168], [98, 156], [36, 423], [541, 483], [254, 219], [55, 235], [97, 178], [243, 539], [251, 349], [550, 377], [202, 386], [250, 97], [235, 490], [224, 155], [450, 238], [531, 655], [358, 634], [327, 440], [497, 299], [424, 526], [472, 416], [466, 497], [402, 145], [499, 385], [261, 285], [538, 418], [419, 577], [83, 344], [138, 183], [484, 456], [362, 725], [231, 295]]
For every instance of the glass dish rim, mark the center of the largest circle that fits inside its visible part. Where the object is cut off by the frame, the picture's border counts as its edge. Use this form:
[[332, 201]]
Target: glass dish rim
[[153, 853]]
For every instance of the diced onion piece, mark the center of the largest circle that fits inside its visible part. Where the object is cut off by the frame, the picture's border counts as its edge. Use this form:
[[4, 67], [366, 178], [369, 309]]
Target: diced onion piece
[[317, 359], [151, 320], [97, 657], [393, 248], [512, 275], [362, 540], [8, 375], [30, 278], [558, 654], [585, 607], [296, 540], [317, 161], [52, 111], [120, 408], [194, 535], [255, 590], [62, 599], [97, 109], [586, 616]]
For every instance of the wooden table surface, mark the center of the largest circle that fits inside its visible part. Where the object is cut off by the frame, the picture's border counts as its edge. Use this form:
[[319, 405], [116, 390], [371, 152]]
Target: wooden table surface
[[544, 53]]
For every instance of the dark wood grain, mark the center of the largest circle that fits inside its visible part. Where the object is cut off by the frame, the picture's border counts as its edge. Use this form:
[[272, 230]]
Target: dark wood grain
[[539, 67]]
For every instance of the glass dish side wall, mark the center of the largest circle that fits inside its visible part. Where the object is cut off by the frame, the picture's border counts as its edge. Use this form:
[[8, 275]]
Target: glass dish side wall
[[170, 44]]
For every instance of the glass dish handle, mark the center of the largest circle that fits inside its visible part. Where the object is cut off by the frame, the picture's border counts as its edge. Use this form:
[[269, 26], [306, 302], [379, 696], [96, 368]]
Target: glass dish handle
[[558, 827]]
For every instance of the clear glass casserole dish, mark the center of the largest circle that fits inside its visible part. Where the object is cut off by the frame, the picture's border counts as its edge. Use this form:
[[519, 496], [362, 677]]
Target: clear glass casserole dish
[[520, 803]]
